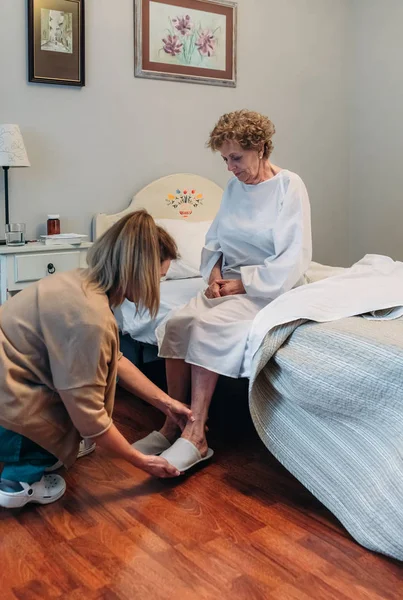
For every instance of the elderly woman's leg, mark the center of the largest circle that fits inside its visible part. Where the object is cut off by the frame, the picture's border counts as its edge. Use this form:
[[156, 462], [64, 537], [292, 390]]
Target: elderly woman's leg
[[203, 386], [178, 380]]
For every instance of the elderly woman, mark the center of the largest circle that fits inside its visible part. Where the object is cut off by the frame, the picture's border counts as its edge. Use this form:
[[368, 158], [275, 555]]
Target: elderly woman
[[59, 360], [258, 247]]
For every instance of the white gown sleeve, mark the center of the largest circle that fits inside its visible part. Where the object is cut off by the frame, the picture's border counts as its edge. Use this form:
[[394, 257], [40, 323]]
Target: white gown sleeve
[[211, 252], [293, 248]]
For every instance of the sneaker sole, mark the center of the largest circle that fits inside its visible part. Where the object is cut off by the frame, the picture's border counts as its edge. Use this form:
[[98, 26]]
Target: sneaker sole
[[86, 451], [54, 467]]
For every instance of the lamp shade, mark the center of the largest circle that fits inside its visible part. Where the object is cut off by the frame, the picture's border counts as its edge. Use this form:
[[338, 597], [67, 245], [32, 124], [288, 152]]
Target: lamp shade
[[12, 149]]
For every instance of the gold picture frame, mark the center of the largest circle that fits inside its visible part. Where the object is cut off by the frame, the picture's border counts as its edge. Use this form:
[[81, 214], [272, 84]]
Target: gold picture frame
[[56, 42]]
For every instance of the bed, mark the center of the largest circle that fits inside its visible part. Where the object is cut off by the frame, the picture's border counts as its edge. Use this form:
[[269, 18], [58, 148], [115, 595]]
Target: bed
[[325, 398]]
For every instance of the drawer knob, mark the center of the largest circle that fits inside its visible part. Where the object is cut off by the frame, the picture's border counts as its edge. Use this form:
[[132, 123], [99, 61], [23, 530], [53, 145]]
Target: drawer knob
[[51, 268]]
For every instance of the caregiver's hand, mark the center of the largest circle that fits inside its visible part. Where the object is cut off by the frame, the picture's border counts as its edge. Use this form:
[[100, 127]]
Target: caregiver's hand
[[178, 412], [113, 441], [159, 467]]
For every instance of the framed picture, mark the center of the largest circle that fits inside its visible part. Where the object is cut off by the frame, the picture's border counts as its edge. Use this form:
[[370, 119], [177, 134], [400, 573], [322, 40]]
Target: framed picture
[[56, 42], [186, 40]]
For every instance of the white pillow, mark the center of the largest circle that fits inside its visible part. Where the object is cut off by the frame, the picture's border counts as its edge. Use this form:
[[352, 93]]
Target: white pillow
[[190, 239]]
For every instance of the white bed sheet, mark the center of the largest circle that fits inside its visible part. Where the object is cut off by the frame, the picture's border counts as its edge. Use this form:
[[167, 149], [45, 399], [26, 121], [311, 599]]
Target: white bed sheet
[[372, 287], [174, 294]]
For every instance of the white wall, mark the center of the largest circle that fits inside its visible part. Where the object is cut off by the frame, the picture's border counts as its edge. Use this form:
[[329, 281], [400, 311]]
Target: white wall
[[376, 215], [92, 148]]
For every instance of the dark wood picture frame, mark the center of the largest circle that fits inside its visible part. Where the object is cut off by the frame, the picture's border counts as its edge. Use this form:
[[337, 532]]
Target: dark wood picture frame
[[56, 51], [181, 36]]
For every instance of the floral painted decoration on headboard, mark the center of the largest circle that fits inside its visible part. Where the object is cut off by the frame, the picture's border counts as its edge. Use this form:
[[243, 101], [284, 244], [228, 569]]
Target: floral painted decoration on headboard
[[184, 200]]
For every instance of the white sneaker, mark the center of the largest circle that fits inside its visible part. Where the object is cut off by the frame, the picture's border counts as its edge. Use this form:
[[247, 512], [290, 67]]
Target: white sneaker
[[86, 447], [49, 489]]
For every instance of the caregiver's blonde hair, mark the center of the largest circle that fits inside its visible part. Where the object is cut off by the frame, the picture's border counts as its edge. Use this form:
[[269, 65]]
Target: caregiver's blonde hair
[[125, 261]]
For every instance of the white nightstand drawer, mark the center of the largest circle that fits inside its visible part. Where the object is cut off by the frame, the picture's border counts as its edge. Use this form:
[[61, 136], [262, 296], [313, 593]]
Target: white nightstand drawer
[[31, 267], [21, 266]]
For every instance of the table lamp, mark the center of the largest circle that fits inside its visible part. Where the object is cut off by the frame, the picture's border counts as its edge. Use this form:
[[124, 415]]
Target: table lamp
[[12, 154]]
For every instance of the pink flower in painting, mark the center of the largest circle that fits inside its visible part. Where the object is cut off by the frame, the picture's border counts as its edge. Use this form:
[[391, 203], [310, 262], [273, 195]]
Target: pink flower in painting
[[183, 24], [172, 45], [206, 43]]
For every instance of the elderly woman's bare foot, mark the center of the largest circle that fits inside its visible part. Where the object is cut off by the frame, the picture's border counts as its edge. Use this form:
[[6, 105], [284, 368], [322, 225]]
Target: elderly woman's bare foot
[[170, 430], [195, 433]]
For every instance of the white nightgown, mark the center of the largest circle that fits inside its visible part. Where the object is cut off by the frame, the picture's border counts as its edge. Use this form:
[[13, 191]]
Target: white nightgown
[[263, 232]]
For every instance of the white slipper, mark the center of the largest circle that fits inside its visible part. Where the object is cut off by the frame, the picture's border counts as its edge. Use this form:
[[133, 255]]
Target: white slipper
[[49, 489], [86, 447], [153, 444], [184, 455]]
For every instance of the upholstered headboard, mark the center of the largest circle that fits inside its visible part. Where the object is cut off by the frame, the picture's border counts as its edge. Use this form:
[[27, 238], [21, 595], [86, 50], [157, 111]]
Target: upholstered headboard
[[179, 196]]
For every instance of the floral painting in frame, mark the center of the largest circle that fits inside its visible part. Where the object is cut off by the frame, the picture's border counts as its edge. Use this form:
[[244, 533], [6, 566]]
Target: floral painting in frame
[[186, 40]]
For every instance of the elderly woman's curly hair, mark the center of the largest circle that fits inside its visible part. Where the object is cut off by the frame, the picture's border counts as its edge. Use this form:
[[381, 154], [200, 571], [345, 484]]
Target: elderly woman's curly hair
[[250, 129]]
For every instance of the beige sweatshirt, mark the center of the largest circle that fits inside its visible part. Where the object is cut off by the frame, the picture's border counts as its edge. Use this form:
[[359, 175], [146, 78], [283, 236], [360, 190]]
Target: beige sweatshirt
[[59, 352]]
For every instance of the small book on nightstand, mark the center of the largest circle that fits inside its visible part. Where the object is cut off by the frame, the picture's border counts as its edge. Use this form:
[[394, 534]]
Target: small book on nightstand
[[63, 238]]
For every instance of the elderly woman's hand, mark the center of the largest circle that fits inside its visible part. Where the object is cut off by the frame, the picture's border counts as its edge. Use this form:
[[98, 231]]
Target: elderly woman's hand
[[213, 290], [230, 287]]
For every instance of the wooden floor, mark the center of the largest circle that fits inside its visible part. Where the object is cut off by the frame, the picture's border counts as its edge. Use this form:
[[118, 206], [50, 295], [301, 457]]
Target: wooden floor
[[241, 527]]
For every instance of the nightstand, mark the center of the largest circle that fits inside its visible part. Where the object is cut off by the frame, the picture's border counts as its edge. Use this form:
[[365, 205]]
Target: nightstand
[[22, 265]]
